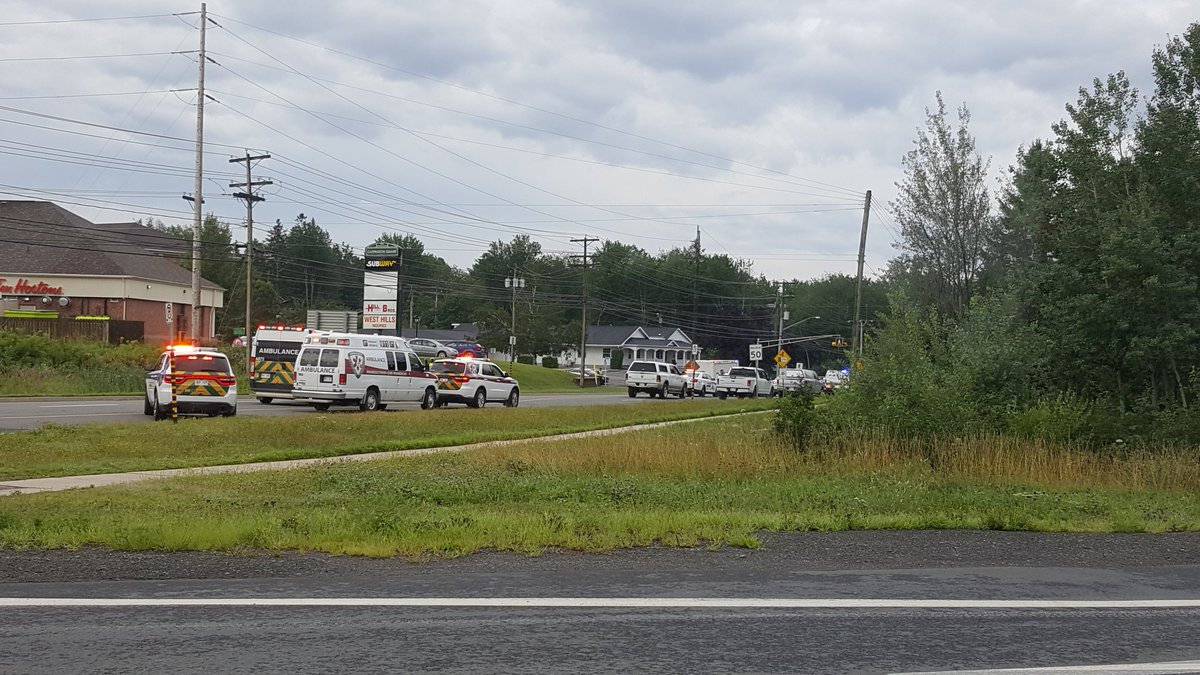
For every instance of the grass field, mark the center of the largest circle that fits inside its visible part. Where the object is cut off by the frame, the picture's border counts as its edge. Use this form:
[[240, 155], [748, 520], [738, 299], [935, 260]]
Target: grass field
[[539, 380], [710, 483], [60, 451]]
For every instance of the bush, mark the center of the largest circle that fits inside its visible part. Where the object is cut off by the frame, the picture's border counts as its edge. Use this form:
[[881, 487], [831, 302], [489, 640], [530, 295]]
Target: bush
[[527, 359], [795, 419], [549, 362], [617, 360]]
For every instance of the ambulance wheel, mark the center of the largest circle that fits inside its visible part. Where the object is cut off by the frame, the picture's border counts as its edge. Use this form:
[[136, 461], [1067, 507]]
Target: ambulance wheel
[[147, 408], [370, 401], [429, 399], [514, 398], [265, 400], [322, 407], [479, 400]]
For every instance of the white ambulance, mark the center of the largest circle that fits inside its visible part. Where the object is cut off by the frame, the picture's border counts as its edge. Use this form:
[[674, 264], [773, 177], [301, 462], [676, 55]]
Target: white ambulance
[[368, 371]]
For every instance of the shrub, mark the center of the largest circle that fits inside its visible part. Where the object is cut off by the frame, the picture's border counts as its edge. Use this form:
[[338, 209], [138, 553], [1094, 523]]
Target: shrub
[[549, 362], [617, 360], [527, 359], [795, 419]]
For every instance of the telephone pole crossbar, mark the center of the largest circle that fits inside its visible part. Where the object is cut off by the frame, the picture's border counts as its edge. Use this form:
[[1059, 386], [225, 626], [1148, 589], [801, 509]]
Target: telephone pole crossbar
[[248, 195]]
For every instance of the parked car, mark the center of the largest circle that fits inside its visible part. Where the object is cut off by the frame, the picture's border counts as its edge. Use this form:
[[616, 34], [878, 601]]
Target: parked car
[[702, 383], [474, 382], [592, 375], [833, 381], [471, 349], [198, 381], [656, 379], [795, 380], [431, 349], [368, 371], [744, 382]]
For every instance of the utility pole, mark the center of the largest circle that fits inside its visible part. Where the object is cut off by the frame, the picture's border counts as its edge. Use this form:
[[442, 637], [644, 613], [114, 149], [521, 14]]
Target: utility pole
[[198, 190], [514, 282], [250, 198], [586, 240], [696, 252], [862, 253], [779, 306]]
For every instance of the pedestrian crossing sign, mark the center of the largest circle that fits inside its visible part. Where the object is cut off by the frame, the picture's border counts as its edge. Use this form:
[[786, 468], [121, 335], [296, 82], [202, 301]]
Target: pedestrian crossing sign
[[782, 359]]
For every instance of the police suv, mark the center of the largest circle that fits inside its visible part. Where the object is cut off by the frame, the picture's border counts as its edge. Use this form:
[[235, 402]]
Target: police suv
[[474, 382], [368, 371], [191, 381]]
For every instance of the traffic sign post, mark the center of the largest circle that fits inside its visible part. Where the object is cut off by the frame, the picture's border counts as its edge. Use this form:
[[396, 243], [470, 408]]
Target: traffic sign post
[[756, 350]]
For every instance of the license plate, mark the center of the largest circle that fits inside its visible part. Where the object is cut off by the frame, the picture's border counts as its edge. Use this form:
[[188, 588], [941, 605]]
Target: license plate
[[327, 378], [203, 383]]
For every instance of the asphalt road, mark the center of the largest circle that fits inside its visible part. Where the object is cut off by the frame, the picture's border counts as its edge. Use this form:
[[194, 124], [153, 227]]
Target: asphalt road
[[913, 565], [21, 414]]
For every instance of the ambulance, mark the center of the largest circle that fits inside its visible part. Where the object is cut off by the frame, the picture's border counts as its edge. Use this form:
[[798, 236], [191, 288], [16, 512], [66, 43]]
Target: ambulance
[[367, 371], [273, 355]]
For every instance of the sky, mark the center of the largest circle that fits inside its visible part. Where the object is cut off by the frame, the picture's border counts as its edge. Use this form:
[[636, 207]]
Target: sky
[[760, 123]]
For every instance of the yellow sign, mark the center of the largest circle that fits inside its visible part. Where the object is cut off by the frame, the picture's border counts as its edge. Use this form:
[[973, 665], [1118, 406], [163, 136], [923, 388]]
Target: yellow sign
[[690, 366], [782, 359]]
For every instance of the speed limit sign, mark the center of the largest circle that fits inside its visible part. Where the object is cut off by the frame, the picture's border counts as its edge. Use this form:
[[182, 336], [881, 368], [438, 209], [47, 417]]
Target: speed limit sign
[[756, 352]]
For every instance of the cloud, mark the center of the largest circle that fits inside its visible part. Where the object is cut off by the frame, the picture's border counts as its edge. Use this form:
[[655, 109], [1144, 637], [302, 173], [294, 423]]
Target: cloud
[[724, 93]]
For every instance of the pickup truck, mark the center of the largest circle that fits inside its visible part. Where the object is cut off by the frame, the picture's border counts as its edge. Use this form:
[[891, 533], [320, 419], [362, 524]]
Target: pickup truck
[[743, 382], [655, 378], [795, 380]]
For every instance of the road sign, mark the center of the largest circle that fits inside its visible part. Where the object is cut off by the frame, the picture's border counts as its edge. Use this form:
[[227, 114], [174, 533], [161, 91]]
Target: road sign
[[756, 352], [170, 312], [512, 340], [690, 366], [782, 359], [695, 350]]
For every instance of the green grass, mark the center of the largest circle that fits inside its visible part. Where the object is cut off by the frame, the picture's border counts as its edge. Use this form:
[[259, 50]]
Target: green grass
[[61, 451], [539, 380], [709, 483]]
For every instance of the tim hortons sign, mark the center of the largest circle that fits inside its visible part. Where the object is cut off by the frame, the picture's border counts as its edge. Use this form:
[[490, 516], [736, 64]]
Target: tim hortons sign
[[26, 287]]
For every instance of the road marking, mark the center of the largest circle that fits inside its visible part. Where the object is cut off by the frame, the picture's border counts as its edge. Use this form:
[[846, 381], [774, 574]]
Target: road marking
[[1160, 667], [81, 405], [55, 416], [618, 603]]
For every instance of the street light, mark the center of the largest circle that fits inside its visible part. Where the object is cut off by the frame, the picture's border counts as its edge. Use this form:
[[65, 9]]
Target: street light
[[809, 318]]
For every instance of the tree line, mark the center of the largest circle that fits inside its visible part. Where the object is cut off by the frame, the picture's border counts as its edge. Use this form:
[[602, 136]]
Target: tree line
[[1068, 300]]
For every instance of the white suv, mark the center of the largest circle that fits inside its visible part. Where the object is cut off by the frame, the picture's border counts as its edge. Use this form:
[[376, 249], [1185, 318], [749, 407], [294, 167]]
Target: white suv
[[474, 382], [655, 378], [191, 381]]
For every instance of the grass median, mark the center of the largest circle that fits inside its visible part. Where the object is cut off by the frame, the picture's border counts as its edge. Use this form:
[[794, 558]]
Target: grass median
[[65, 451], [719, 481]]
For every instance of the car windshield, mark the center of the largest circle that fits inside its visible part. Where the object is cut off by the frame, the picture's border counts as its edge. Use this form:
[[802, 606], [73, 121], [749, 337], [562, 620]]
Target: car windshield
[[451, 367], [202, 363], [742, 372], [642, 367]]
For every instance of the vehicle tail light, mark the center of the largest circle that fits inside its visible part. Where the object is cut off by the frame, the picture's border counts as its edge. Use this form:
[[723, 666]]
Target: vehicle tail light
[[658, 378], [749, 382], [461, 379], [167, 379], [226, 381], [342, 378]]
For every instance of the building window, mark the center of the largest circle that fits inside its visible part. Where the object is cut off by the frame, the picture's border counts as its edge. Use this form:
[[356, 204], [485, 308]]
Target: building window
[[607, 353]]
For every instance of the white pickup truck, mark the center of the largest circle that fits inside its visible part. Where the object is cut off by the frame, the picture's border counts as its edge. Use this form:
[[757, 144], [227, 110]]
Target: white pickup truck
[[656, 379], [743, 382]]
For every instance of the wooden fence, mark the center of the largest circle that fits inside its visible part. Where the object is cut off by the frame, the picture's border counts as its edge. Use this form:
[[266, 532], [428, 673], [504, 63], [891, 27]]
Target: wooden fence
[[97, 331]]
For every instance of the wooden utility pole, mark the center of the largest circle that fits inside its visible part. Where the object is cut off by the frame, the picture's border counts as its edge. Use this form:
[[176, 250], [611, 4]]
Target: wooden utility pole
[[583, 314], [862, 253], [247, 195], [198, 189]]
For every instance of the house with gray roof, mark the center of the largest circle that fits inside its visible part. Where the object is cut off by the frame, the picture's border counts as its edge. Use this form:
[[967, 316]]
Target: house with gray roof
[[657, 343]]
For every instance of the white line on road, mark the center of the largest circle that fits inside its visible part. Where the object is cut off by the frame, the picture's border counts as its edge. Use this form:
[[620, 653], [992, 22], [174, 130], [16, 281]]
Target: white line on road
[[617, 603], [80, 405], [1160, 667], [57, 415]]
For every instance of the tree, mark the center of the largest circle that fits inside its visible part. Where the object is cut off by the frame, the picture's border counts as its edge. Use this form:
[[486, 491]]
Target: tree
[[944, 212]]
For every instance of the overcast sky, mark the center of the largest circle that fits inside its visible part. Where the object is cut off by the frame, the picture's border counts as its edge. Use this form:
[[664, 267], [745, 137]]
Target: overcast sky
[[502, 117]]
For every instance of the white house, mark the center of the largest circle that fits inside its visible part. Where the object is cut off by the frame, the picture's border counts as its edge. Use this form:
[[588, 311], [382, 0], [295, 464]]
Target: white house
[[658, 343]]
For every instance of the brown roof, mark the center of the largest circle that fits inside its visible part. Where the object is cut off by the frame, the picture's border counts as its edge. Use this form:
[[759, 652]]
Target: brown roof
[[44, 238]]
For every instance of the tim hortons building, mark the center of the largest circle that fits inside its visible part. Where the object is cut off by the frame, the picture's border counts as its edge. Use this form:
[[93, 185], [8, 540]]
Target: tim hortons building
[[60, 264]]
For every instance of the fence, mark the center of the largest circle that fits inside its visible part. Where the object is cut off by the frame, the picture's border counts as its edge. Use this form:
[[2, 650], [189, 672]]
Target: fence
[[72, 329]]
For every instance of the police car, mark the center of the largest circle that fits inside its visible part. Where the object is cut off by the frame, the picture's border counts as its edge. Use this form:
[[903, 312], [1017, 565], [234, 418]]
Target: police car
[[474, 382], [197, 380]]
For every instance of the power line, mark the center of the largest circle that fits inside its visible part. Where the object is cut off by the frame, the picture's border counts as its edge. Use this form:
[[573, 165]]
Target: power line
[[40, 22], [82, 57]]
